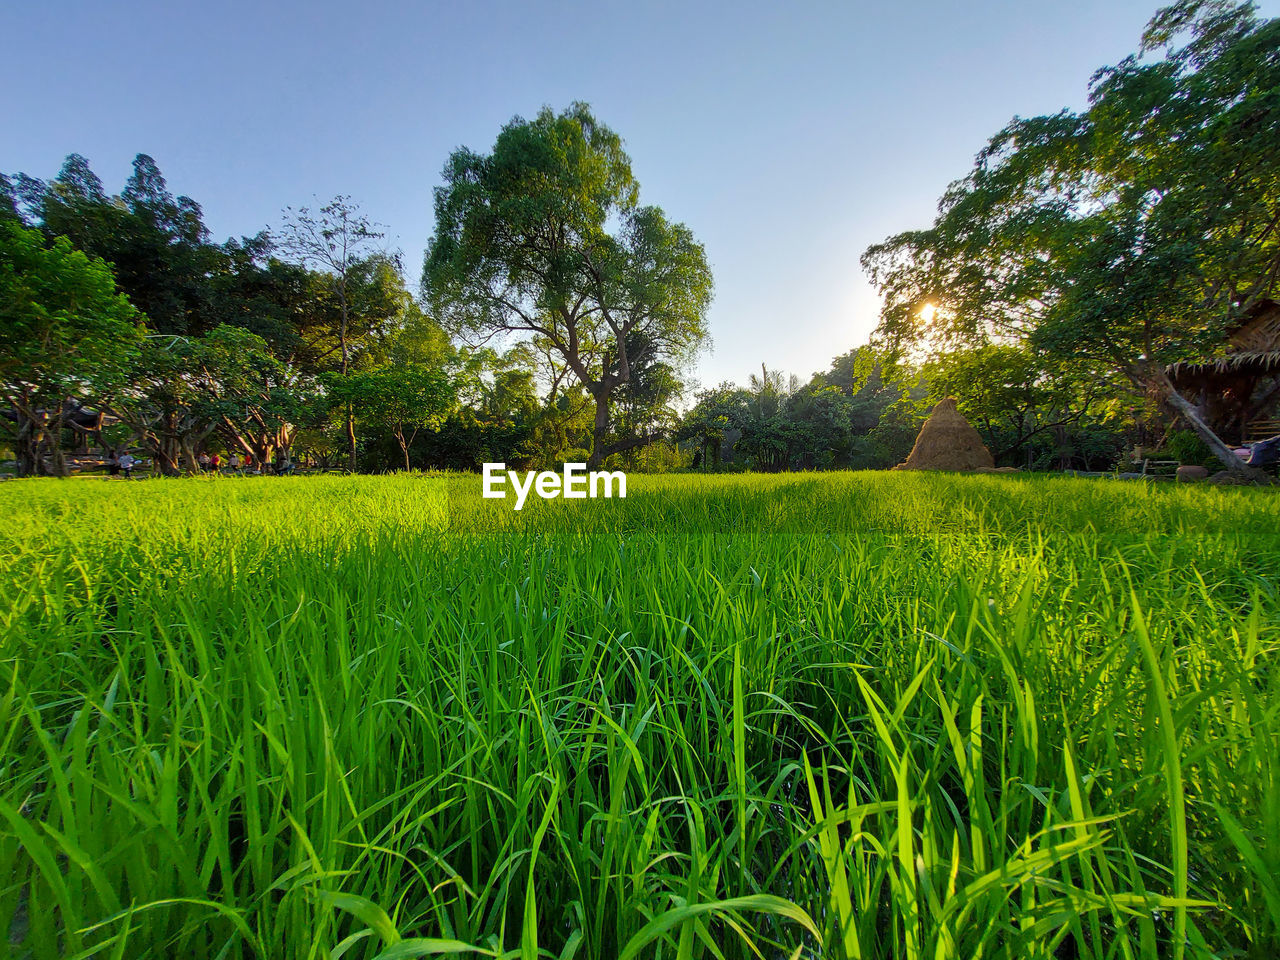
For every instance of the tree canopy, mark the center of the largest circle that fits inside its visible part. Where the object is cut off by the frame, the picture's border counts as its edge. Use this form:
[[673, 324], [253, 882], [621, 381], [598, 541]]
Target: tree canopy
[[545, 238], [1129, 235], [68, 333], [1084, 253]]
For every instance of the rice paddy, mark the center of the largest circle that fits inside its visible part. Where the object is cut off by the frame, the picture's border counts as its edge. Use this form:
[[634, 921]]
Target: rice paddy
[[841, 715]]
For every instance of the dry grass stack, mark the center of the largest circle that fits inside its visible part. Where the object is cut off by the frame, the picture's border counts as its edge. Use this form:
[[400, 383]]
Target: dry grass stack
[[947, 441]]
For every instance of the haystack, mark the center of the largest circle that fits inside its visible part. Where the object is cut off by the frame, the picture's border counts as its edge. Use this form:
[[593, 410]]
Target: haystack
[[948, 441]]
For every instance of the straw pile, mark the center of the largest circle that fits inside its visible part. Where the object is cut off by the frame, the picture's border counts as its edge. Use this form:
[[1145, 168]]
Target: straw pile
[[948, 441]]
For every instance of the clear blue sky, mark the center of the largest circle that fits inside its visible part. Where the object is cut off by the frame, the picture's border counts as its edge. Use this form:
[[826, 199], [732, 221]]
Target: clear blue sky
[[787, 135]]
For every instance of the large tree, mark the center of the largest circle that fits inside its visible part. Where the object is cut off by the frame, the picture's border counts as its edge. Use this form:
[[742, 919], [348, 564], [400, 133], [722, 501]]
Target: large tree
[[157, 244], [341, 242], [65, 334], [544, 238], [400, 398], [1130, 235], [162, 402], [256, 401]]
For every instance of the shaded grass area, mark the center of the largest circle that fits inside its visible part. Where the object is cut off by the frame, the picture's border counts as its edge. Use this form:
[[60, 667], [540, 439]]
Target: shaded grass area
[[844, 715]]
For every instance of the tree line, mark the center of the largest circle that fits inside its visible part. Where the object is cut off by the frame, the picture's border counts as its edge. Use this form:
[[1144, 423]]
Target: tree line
[[556, 317], [127, 324], [562, 316]]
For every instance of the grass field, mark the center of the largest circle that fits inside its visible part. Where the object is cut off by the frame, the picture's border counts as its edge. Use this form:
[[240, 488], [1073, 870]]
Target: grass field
[[846, 715]]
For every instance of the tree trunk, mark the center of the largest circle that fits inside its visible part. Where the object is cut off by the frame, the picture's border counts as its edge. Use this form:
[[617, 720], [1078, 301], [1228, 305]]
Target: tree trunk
[[351, 440], [1220, 450], [25, 452], [30, 449], [165, 459], [35, 450], [53, 439], [189, 454], [342, 342], [263, 451], [172, 453], [600, 430]]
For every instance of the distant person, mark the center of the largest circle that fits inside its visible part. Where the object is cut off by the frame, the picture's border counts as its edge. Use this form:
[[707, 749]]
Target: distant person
[[233, 463], [127, 463], [216, 462], [204, 461]]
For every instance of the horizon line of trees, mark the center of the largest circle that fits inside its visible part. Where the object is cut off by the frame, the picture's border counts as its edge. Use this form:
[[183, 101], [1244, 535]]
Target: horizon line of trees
[[247, 350], [127, 325], [557, 317]]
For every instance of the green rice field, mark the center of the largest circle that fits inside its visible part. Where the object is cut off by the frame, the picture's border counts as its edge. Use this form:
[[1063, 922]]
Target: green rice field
[[863, 715]]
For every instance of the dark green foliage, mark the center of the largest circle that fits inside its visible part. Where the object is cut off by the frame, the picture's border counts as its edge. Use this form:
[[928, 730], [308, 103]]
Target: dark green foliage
[[1031, 408], [401, 399], [849, 417], [67, 334], [1185, 447], [544, 238], [1125, 237]]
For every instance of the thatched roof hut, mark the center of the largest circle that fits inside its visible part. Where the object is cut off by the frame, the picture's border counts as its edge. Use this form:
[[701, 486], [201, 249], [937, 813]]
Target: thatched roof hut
[[1238, 392], [1253, 363]]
